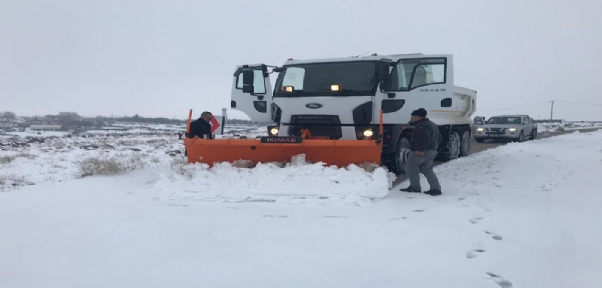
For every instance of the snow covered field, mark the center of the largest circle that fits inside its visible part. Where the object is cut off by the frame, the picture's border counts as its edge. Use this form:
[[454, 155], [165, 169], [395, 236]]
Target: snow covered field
[[568, 126], [520, 215]]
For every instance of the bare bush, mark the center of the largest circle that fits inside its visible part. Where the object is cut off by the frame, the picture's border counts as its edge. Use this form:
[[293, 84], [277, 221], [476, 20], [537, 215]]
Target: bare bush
[[27, 155], [110, 165], [13, 181], [7, 159]]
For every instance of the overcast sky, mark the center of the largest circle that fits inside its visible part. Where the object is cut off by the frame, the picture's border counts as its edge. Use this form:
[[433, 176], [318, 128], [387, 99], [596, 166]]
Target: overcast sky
[[161, 58]]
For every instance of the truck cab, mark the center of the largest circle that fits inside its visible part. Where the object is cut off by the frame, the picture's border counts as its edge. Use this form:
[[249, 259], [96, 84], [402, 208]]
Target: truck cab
[[341, 98]]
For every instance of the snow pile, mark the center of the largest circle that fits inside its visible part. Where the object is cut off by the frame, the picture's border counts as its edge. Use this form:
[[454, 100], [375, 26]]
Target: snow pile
[[297, 182]]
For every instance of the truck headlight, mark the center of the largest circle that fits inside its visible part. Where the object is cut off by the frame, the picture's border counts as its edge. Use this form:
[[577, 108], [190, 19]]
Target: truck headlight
[[512, 130], [336, 87], [480, 130], [274, 131], [368, 133]]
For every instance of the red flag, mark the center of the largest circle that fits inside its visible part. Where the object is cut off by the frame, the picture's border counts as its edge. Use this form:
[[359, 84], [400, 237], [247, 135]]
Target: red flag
[[214, 124]]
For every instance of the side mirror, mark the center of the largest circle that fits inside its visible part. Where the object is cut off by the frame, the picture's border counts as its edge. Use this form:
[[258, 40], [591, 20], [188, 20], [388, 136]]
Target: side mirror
[[383, 72], [247, 80], [385, 85]]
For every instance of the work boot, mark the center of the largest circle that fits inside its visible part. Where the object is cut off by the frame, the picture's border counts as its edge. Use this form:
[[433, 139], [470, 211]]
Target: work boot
[[410, 189], [433, 192]]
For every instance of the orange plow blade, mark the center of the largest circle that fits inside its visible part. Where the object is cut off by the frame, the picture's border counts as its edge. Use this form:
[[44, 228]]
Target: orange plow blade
[[331, 152]]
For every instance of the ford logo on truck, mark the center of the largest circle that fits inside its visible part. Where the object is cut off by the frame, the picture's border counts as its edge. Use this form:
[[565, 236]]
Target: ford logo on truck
[[313, 105]]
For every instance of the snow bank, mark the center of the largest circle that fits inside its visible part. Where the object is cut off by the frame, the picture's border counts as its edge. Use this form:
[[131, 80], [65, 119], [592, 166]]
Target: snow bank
[[297, 182]]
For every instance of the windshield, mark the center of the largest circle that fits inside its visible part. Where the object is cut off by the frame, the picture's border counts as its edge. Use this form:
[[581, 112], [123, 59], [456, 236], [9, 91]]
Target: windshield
[[504, 120], [356, 78]]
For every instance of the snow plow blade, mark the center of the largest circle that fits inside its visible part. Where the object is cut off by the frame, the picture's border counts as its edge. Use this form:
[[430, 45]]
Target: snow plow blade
[[331, 152], [340, 153]]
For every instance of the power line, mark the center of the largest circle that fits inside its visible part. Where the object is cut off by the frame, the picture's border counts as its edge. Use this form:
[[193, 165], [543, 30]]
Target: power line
[[591, 104]]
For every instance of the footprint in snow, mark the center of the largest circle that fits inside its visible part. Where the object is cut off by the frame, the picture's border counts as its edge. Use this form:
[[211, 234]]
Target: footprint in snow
[[398, 218], [475, 220], [335, 217], [178, 205], [419, 210], [474, 253], [234, 208], [500, 281], [271, 216], [493, 235]]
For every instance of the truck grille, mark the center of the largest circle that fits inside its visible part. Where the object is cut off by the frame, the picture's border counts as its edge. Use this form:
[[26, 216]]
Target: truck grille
[[319, 125]]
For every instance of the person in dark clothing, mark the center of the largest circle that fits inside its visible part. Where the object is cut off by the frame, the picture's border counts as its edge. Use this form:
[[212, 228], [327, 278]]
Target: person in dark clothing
[[423, 150], [201, 126]]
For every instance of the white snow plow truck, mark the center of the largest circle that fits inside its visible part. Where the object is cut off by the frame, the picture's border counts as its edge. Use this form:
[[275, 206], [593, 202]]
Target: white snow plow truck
[[341, 98]]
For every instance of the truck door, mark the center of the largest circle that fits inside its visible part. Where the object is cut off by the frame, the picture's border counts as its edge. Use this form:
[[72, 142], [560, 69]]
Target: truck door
[[416, 82], [252, 92]]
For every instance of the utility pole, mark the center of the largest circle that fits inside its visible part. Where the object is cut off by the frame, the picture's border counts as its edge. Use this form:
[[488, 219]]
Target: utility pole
[[552, 111]]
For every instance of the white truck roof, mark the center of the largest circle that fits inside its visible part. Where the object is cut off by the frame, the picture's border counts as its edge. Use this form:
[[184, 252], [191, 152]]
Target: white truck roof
[[373, 57]]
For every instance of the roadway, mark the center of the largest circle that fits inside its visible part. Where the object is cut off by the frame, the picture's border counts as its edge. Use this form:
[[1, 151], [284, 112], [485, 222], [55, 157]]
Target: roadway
[[479, 147]]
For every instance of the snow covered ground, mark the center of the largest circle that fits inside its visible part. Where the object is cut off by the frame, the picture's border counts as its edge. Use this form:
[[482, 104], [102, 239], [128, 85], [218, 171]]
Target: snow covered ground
[[520, 215], [567, 126]]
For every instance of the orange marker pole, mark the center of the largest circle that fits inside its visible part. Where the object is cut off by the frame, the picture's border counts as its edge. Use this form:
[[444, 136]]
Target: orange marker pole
[[381, 124], [188, 125]]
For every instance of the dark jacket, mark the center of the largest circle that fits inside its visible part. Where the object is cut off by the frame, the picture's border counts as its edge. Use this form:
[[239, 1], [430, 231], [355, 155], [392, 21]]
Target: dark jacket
[[425, 136], [199, 127]]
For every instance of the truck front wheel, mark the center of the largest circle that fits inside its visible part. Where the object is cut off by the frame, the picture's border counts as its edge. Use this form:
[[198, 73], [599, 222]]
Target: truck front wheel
[[402, 151]]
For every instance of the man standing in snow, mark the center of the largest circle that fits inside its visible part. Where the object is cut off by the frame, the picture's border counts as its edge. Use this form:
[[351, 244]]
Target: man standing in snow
[[201, 126], [423, 150]]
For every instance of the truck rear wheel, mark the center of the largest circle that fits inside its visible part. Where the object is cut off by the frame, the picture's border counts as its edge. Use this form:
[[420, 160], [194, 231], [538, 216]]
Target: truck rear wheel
[[465, 144], [450, 149]]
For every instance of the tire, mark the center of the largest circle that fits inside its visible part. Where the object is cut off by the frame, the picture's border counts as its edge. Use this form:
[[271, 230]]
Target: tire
[[402, 151], [534, 134], [465, 144], [450, 149], [480, 140], [521, 136]]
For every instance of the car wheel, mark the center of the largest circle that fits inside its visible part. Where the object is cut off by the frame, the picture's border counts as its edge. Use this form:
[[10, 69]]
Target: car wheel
[[534, 136], [465, 144], [521, 136]]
